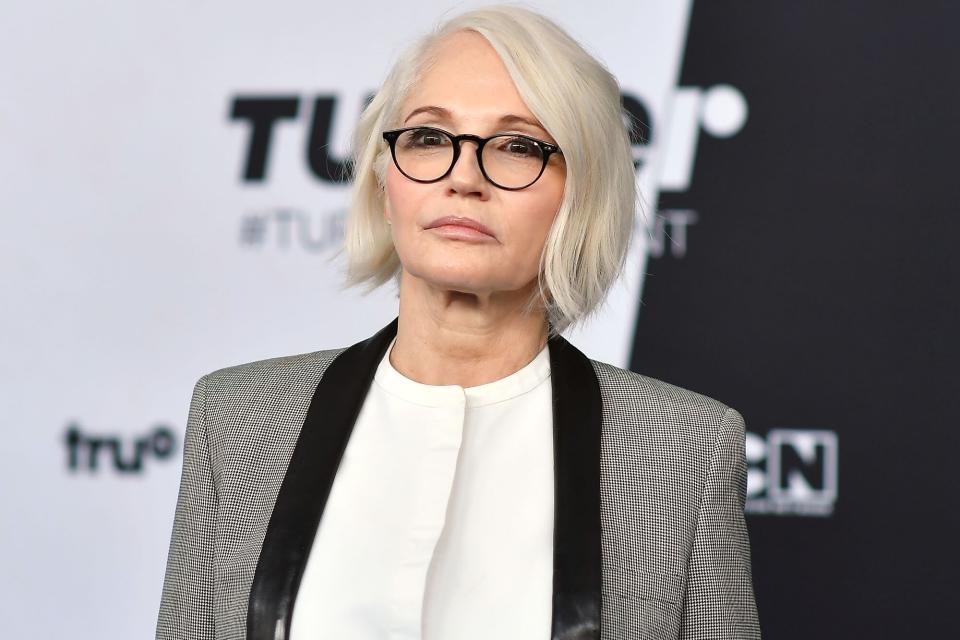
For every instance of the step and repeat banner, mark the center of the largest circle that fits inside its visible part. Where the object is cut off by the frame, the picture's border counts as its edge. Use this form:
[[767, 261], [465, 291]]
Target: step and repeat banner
[[173, 203]]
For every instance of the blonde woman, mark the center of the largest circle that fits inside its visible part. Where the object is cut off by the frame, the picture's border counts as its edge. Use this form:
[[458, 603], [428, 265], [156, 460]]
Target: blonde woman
[[466, 473]]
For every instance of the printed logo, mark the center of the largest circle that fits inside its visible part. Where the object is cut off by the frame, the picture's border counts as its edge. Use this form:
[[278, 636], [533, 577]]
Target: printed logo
[[88, 452], [719, 111], [793, 472]]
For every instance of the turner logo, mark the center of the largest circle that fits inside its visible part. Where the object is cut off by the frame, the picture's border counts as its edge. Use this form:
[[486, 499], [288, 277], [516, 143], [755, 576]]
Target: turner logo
[[263, 113], [663, 155], [122, 454], [792, 472], [719, 111]]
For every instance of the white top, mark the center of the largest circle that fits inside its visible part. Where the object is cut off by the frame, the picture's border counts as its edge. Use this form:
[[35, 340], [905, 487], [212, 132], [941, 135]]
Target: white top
[[439, 524]]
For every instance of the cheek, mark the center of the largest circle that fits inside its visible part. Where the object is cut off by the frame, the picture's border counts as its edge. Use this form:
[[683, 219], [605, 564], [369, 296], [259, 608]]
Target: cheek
[[399, 197], [538, 217], [390, 195], [529, 232], [402, 204]]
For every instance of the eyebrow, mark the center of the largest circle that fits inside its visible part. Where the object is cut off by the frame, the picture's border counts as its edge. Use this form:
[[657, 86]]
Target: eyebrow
[[440, 112]]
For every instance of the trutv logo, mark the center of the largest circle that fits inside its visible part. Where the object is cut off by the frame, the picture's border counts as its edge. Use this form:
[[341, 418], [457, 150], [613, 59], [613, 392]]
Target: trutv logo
[[792, 472], [120, 454]]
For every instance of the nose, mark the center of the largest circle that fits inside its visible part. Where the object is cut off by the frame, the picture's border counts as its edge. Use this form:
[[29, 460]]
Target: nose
[[465, 177]]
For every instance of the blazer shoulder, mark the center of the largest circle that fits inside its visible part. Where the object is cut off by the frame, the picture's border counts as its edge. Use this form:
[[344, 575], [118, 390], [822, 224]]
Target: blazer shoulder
[[272, 372], [631, 396]]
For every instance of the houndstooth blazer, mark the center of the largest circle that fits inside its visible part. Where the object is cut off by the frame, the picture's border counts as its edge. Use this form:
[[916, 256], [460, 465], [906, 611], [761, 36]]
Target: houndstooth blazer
[[649, 533]]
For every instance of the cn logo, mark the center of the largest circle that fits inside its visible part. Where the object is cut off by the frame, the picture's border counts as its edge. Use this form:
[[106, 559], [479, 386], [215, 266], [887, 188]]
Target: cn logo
[[792, 472]]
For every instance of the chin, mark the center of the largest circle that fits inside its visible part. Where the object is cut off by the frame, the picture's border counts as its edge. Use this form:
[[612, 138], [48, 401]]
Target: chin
[[467, 282], [463, 285], [459, 279]]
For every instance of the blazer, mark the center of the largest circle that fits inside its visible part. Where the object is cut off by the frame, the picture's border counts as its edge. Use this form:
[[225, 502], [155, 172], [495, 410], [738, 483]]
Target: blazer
[[650, 480]]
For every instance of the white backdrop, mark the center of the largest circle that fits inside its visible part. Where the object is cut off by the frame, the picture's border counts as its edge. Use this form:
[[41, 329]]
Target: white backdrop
[[135, 258]]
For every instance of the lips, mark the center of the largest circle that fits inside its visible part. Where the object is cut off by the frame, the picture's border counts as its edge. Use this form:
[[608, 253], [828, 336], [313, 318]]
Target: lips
[[458, 221]]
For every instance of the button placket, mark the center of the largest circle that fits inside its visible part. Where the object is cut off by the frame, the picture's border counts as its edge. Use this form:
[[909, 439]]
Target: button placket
[[435, 477]]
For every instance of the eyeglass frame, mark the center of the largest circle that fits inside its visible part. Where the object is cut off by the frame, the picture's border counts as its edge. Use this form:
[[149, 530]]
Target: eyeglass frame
[[391, 136]]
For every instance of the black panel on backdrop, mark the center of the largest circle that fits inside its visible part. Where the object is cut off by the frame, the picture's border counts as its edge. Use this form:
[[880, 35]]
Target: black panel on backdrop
[[819, 293]]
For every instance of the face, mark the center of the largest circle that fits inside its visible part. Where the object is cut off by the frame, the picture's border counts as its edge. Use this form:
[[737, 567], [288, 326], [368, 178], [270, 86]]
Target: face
[[468, 90]]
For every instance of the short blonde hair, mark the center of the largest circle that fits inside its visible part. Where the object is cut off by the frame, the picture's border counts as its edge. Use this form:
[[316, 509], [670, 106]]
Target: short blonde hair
[[578, 102]]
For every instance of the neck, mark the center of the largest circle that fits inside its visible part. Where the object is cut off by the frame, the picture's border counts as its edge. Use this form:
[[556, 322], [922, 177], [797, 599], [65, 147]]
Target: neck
[[447, 337]]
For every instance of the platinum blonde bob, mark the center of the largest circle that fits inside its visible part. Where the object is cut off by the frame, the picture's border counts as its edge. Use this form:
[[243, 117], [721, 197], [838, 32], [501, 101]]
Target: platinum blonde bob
[[578, 102]]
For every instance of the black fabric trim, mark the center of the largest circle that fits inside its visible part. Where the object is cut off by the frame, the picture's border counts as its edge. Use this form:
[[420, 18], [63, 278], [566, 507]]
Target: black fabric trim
[[577, 534], [306, 485]]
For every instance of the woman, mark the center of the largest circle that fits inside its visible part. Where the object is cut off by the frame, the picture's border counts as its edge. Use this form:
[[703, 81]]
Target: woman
[[466, 472]]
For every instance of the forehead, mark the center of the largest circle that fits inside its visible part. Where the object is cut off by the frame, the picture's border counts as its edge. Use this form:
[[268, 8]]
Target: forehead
[[468, 79]]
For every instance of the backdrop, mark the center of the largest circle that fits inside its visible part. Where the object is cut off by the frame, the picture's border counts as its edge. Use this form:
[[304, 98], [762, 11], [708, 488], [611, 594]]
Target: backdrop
[[170, 182]]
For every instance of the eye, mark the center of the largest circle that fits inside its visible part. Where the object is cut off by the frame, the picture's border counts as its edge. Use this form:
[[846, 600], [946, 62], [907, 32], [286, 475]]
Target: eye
[[519, 146], [424, 138]]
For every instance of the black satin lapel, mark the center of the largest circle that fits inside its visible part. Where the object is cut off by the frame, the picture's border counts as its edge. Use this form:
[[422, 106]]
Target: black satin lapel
[[577, 553], [306, 485]]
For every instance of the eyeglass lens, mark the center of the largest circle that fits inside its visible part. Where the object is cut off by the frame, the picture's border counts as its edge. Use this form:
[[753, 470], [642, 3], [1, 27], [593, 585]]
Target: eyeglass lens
[[509, 160]]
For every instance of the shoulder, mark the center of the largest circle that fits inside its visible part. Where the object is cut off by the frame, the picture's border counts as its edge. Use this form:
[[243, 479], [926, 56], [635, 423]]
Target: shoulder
[[635, 404], [271, 374], [626, 388]]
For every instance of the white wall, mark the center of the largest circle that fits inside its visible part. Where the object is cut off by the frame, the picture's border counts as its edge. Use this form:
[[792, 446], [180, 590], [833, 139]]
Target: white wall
[[124, 277]]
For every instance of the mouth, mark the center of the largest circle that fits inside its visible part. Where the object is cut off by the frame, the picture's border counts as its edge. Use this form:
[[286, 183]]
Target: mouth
[[460, 227]]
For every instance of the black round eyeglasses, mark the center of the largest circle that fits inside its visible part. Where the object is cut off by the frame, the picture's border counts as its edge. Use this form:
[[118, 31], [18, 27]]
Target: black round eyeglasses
[[510, 161]]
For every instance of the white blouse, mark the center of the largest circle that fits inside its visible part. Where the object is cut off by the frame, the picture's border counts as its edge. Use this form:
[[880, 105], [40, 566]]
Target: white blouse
[[439, 524]]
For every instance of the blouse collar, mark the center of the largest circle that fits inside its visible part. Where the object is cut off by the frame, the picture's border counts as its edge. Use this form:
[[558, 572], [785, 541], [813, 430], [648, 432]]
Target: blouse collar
[[517, 383]]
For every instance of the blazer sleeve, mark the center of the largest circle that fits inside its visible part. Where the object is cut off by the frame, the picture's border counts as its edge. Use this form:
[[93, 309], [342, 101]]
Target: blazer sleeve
[[186, 606], [719, 601]]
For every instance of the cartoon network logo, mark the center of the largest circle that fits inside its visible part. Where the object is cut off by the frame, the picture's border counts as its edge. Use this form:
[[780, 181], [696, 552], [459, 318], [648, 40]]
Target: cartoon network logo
[[792, 472]]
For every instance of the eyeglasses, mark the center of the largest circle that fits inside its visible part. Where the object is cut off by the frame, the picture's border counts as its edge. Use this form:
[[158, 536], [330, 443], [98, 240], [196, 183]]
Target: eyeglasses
[[510, 161]]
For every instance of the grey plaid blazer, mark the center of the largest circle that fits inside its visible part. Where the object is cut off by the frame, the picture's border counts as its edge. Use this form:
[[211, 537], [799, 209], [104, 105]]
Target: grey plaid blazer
[[649, 534]]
